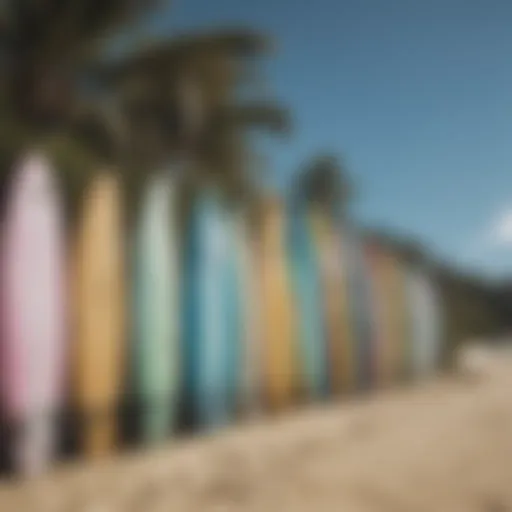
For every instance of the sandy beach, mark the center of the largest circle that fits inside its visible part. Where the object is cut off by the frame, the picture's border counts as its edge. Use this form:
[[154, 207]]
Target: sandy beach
[[444, 445]]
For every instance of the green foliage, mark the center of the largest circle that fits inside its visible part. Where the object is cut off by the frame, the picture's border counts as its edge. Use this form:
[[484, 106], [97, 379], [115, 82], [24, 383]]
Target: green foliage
[[181, 99], [191, 52], [169, 100], [325, 182], [44, 47], [473, 307]]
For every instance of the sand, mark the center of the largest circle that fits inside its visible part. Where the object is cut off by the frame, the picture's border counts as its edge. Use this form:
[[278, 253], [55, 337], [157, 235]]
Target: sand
[[439, 446]]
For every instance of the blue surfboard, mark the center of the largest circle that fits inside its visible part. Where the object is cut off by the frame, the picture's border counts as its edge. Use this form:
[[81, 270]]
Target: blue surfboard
[[308, 301], [209, 289], [249, 333], [360, 305], [233, 310]]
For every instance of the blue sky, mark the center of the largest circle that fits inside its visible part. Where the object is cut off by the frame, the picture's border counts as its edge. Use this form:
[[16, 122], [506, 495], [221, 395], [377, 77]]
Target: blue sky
[[417, 96]]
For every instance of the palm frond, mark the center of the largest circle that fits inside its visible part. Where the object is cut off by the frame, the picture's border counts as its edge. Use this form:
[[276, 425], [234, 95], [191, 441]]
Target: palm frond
[[267, 116], [164, 56]]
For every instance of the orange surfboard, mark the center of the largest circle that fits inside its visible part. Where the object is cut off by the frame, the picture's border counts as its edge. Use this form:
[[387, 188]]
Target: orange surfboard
[[382, 342], [390, 304], [99, 344]]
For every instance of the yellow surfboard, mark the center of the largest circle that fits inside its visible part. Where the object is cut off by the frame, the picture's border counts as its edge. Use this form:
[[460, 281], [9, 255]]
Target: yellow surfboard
[[392, 301], [334, 284], [99, 348], [398, 319], [279, 356], [380, 308]]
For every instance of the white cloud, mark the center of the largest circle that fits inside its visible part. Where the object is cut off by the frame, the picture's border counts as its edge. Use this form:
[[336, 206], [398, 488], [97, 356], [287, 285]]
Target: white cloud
[[489, 250], [501, 229]]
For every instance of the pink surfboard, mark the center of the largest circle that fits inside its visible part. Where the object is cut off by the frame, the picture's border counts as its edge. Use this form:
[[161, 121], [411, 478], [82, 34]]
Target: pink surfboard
[[32, 313]]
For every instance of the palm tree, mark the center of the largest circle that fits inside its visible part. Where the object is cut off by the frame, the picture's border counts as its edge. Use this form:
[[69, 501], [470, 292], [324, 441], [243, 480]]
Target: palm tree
[[325, 183], [44, 45], [226, 151], [46, 51], [181, 98], [169, 98]]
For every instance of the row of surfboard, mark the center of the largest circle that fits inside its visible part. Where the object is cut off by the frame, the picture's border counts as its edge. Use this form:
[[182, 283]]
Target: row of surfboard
[[209, 322]]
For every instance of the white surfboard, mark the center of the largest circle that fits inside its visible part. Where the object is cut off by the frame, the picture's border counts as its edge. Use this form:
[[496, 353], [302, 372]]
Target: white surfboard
[[33, 313]]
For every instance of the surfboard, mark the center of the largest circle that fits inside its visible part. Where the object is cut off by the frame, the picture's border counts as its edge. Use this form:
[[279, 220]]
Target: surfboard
[[407, 323], [341, 294], [249, 392], [233, 294], [436, 324], [424, 314], [389, 305], [33, 313], [379, 312], [418, 321], [99, 345], [357, 307], [155, 347], [207, 337], [308, 303], [395, 290], [280, 351]]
